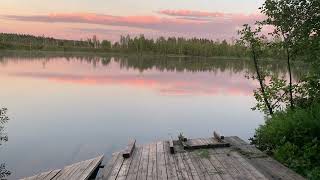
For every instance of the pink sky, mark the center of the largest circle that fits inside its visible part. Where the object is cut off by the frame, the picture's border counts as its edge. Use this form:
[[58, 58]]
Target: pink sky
[[212, 19]]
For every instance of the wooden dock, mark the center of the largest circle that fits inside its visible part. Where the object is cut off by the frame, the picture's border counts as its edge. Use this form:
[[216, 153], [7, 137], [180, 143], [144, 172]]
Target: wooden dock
[[214, 158], [231, 158]]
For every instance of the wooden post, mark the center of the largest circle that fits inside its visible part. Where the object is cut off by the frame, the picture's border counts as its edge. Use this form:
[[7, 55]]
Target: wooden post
[[171, 146], [217, 136], [129, 149]]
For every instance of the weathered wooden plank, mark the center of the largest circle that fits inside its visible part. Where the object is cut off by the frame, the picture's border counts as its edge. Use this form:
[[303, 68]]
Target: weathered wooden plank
[[269, 167], [247, 166], [161, 162], [52, 174], [273, 169], [214, 141], [243, 172], [129, 149], [236, 141], [133, 171], [193, 144], [152, 165], [210, 140], [80, 168], [211, 170], [224, 174], [200, 142], [220, 150], [207, 141], [223, 159], [204, 141], [171, 169], [43, 175], [126, 165], [143, 167], [116, 168], [108, 168], [202, 172], [87, 171], [244, 147], [79, 171], [66, 171], [181, 167], [188, 163]]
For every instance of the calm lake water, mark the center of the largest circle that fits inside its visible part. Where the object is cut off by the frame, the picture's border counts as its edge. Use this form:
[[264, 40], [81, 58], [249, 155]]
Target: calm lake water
[[67, 109]]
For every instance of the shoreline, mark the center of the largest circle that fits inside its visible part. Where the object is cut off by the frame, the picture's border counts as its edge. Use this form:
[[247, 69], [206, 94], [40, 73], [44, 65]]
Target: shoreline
[[123, 54]]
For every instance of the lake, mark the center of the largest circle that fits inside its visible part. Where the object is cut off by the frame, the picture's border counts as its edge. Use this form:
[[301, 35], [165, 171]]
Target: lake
[[68, 108]]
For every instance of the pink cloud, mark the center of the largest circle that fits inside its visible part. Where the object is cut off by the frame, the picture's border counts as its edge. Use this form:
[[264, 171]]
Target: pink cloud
[[101, 19], [188, 13], [210, 25]]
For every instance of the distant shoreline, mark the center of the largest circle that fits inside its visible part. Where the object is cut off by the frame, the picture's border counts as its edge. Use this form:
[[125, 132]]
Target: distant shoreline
[[105, 53], [140, 45]]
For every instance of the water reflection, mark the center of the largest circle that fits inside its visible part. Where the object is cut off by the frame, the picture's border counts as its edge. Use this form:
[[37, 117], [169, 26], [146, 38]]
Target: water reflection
[[87, 105], [176, 64], [169, 83], [172, 82]]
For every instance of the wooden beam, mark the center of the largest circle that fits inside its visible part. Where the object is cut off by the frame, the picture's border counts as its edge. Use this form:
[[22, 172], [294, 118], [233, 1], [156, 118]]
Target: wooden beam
[[83, 170], [218, 137], [129, 149], [171, 146]]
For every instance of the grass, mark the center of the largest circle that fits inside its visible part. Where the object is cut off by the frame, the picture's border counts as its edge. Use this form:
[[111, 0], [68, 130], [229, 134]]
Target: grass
[[203, 153]]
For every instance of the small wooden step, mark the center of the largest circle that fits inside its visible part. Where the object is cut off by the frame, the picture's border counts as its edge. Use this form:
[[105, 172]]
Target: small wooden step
[[202, 143], [129, 149], [171, 147]]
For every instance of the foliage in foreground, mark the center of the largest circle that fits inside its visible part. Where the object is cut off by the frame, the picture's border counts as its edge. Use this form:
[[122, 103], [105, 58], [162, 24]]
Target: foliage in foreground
[[3, 138], [3, 172], [3, 119], [293, 138], [292, 129]]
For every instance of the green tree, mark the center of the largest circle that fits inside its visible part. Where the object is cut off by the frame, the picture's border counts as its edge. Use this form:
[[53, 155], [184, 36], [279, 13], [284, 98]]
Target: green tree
[[291, 135], [251, 39], [294, 23], [105, 44]]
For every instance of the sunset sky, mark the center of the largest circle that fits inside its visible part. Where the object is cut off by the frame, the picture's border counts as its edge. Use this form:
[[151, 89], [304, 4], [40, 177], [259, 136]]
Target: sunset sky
[[108, 19]]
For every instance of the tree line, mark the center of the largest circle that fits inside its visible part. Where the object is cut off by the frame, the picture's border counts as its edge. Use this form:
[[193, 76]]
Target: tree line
[[135, 45], [30, 42], [179, 46]]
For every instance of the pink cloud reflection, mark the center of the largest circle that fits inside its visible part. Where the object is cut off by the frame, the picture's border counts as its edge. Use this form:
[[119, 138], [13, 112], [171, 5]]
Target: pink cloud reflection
[[165, 84]]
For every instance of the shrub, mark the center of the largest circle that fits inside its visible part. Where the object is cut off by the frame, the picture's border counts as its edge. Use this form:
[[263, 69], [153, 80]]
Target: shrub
[[293, 138]]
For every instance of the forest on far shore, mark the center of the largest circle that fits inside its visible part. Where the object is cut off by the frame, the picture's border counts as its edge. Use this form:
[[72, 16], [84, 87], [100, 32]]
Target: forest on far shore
[[134, 45]]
